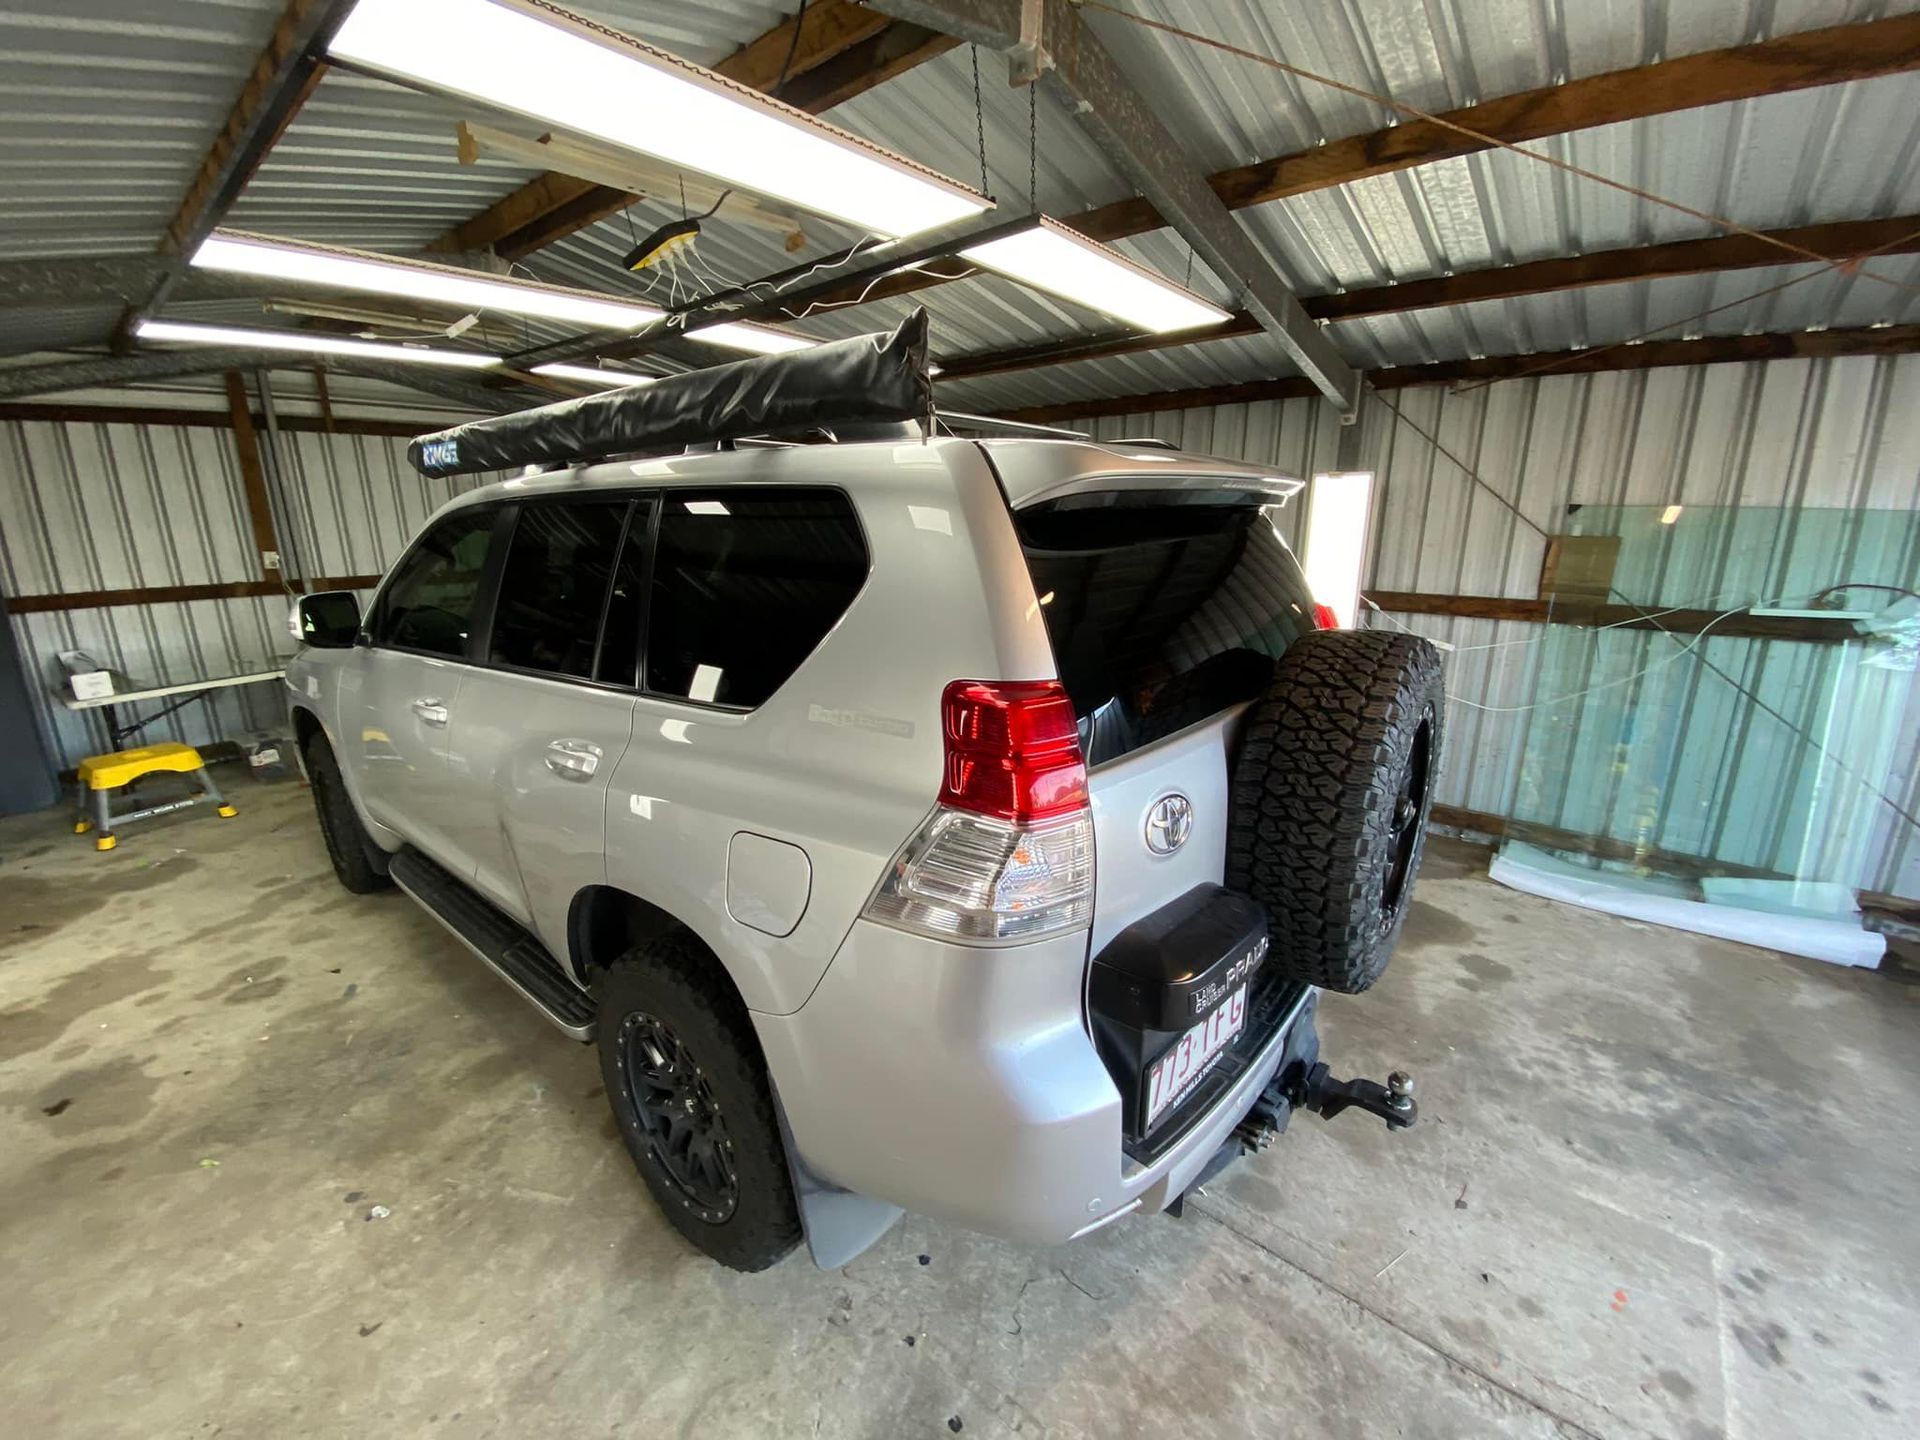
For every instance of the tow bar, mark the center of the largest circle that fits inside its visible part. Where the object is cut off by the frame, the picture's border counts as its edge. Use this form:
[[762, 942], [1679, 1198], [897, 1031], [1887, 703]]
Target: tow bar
[[1315, 1089], [1312, 1089], [1327, 1097]]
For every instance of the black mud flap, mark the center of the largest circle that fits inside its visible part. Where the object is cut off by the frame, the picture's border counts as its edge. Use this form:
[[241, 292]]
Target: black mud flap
[[839, 1225]]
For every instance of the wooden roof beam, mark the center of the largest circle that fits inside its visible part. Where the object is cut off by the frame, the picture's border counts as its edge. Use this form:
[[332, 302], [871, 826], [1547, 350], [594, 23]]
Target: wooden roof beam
[[1839, 241], [1746, 72], [1593, 360]]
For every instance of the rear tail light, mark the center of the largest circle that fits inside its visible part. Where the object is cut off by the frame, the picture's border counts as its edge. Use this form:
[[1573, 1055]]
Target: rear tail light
[[1013, 750], [1324, 618], [1008, 853]]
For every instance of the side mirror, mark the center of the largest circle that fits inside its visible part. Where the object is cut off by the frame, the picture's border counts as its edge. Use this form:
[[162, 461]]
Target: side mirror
[[329, 620]]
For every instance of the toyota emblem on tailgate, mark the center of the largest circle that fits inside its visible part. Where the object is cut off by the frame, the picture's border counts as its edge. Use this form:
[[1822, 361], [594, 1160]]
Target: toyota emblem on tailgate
[[1169, 823]]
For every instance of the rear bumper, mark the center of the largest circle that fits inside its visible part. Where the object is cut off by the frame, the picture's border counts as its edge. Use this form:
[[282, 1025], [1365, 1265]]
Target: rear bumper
[[960, 1082]]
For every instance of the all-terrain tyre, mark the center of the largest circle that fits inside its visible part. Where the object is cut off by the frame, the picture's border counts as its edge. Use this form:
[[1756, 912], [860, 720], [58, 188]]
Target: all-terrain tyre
[[688, 1085], [360, 864], [1331, 794]]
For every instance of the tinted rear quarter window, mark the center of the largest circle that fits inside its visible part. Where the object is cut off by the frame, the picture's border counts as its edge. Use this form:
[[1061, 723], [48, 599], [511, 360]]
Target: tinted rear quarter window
[[1161, 614], [745, 584]]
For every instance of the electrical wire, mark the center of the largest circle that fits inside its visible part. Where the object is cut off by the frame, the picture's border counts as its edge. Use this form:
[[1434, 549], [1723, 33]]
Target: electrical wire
[[1491, 141], [1558, 361], [1689, 648], [922, 267], [1685, 650], [1465, 468], [793, 48]]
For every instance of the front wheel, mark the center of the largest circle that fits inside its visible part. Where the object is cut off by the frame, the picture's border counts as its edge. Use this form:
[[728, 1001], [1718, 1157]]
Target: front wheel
[[359, 863], [688, 1085]]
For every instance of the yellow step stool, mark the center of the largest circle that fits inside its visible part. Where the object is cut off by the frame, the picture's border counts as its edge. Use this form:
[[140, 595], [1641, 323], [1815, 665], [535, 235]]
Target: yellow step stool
[[101, 775]]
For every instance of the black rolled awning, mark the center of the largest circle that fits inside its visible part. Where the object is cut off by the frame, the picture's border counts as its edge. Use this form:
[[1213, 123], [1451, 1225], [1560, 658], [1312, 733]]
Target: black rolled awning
[[869, 378]]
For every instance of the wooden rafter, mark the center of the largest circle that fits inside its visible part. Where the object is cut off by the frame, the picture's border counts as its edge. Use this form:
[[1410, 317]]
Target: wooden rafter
[[1746, 72], [1839, 241], [843, 50], [280, 82], [1649, 355]]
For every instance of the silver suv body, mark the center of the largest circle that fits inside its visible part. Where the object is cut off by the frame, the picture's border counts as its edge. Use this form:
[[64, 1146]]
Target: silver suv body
[[725, 695]]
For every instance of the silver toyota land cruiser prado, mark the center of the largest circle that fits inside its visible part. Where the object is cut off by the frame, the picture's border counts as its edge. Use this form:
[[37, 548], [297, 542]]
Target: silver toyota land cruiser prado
[[913, 817]]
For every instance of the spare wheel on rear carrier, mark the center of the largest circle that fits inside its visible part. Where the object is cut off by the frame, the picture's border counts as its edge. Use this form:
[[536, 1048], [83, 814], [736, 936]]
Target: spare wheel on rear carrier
[[1331, 793]]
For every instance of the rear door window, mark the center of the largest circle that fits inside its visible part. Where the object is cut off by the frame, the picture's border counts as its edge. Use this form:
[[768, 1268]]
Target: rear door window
[[555, 584], [1163, 610], [429, 603], [745, 584]]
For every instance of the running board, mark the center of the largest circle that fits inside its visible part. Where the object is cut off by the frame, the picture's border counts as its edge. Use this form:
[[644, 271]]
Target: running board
[[512, 952]]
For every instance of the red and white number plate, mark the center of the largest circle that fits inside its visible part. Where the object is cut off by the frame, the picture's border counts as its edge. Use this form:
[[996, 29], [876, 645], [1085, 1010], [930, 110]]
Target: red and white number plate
[[1174, 1073]]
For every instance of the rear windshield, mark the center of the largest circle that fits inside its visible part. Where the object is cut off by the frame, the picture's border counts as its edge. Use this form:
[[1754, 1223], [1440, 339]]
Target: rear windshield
[[1162, 611]]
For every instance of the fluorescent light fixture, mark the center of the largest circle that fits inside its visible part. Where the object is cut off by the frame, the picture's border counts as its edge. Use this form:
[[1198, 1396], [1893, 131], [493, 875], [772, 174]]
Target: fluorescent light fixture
[[563, 71], [1671, 514], [372, 274], [1050, 257], [310, 343], [1338, 510], [738, 336], [705, 507], [588, 375]]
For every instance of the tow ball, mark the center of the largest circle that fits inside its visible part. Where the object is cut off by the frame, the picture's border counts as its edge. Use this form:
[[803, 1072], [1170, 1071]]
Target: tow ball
[[1393, 1102], [1315, 1089]]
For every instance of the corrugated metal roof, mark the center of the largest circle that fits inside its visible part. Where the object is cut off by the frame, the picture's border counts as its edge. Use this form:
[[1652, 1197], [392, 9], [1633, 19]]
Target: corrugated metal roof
[[106, 109], [371, 164]]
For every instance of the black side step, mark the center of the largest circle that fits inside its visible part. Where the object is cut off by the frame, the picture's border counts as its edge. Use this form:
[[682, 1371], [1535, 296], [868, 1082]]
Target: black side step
[[522, 961]]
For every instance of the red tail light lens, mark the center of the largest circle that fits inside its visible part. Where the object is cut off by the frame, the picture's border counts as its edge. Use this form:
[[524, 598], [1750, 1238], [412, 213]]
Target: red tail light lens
[[1324, 618], [1012, 749]]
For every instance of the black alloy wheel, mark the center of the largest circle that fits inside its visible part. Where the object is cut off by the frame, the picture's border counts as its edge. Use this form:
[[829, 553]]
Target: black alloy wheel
[[1409, 811], [678, 1113]]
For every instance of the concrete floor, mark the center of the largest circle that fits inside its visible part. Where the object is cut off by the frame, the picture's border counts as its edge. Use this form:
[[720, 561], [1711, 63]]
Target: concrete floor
[[1663, 1187]]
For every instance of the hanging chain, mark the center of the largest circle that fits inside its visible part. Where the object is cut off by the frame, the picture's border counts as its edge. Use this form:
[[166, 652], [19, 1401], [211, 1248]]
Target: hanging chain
[[1033, 164], [979, 120]]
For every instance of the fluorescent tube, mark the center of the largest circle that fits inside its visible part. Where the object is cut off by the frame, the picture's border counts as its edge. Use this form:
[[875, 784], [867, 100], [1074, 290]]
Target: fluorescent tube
[[1339, 508], [588, 375], [414, 280], [567, 72], [738, 336], [310, 342], [1062, 262]]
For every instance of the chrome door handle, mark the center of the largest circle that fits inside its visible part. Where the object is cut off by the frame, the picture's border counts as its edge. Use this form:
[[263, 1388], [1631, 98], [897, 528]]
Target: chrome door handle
[[573, 759], [430, 711]]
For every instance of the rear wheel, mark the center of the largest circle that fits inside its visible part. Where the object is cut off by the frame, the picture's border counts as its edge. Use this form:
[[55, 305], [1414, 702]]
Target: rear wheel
[[359, 863], [1331, 795], [688, 1085]]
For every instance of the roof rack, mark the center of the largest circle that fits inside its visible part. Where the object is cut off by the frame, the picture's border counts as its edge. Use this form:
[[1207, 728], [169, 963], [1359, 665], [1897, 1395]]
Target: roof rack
[[957, 420]]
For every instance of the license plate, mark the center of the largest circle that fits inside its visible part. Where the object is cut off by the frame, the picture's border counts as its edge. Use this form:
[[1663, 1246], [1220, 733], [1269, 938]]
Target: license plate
[[1175, 1072]]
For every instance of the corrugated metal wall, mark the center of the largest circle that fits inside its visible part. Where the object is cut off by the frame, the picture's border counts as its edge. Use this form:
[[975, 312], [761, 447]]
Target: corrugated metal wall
[[106, 506], [95, 506], [1830, 434]]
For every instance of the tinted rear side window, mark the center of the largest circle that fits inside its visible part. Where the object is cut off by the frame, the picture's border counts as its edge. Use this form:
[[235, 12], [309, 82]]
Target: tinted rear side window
[[554, 587], [1161, 614], [745, 584]]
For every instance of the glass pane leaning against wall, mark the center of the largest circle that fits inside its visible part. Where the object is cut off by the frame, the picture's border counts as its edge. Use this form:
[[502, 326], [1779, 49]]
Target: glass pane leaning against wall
[[1741, 769]]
